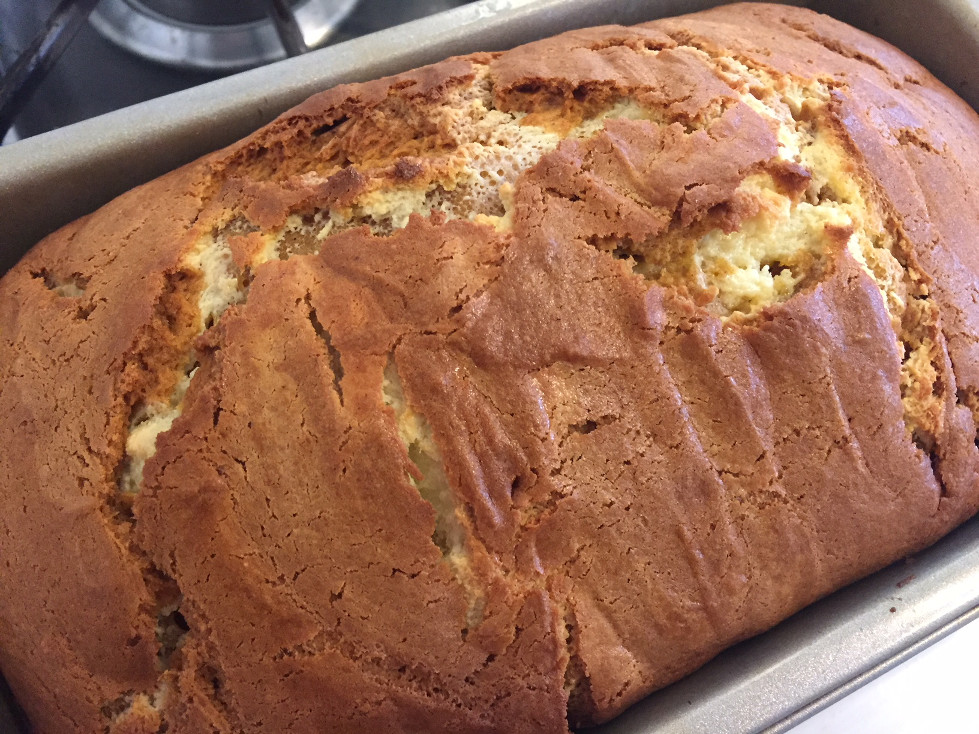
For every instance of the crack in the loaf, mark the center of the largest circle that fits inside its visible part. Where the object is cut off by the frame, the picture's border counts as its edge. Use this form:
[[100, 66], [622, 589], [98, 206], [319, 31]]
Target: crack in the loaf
[[686, 257], [329, 127], [639, 45], [498, 147], [336, 366], [147, 420], [461, 302], [164, 360], [836, 46], [592, 424], [429, 479], [139, 704], [936, 469], [147, 371], [212, 675], [581, 708], [311, 648], [303, 234], [171, 633], [969, 398], [71, 287], [924, 383], [117, 707], [209, 275], [915, 137], [880, 253]]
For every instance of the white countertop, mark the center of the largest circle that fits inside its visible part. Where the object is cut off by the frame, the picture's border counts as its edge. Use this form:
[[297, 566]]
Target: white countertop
[[935, 692]]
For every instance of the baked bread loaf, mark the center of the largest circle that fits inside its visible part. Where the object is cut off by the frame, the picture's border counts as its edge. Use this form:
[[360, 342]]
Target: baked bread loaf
[[494, 395]]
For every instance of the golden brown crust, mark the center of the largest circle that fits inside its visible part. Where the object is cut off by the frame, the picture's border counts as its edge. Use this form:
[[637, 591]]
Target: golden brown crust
[[279, 457]]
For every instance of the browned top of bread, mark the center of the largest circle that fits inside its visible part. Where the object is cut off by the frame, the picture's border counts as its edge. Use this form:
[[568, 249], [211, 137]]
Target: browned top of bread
[[493, 395]]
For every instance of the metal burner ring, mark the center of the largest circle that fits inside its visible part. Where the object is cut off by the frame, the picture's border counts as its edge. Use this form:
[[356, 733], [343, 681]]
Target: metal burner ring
[[135, 27]]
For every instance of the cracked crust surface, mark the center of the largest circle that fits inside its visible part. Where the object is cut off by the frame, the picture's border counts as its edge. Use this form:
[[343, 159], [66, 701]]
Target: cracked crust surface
[[494, 395]]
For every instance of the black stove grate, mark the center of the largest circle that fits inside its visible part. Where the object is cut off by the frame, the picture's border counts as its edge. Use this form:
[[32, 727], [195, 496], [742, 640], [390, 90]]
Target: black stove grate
[[94, 75]]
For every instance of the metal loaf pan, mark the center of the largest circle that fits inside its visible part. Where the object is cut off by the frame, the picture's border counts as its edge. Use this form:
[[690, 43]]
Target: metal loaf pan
[[770, 682]]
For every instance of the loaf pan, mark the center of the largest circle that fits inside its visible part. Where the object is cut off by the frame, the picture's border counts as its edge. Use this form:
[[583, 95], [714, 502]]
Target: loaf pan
[[768, 683]]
